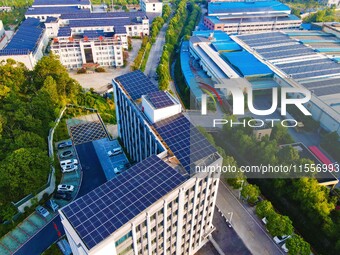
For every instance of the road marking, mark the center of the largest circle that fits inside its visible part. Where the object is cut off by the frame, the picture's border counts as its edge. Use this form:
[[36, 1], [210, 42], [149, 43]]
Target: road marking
[[253, 218]]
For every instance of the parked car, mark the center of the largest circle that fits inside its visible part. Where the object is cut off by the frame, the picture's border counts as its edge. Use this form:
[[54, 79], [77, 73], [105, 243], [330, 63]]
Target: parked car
[[280, 239], [115, 151], [63, 145], [63, 196], [42, 211], [66, 162], [66, 188], [66, 154], [264, 220], [284, 248], [52, 205], [116, 170], [69, 168]]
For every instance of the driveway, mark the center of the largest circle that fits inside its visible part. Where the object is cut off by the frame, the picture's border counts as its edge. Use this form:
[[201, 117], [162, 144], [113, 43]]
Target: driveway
[[155, 54], [246, 225]]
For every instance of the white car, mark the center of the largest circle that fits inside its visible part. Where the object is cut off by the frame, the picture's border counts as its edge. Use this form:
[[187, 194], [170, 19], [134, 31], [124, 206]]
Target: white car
[[64, 187], [284, 248], [280, 239], [264, 220], [68, 162], [69, 168], [114, 152], [42, 211]]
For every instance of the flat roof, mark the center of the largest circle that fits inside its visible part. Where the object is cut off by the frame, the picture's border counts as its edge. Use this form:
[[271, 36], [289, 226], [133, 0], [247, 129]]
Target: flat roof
[[136, 84], [98, 214], [26, 39], [55, 10], [231, 20], [61, 2], [215, 8], [159, 99], [247, 64], [184, 140], [106, 15]]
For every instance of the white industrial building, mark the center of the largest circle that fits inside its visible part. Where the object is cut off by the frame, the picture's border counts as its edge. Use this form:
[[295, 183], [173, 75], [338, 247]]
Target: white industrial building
[[27, 44], [160, 205], [151, 6], [3, 37]]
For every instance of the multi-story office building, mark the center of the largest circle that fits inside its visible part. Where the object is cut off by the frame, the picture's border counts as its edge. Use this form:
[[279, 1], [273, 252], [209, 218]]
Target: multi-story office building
[[97, 38], [161, 205], [151, 6], [3, 37], [250, 17], [27, 44]]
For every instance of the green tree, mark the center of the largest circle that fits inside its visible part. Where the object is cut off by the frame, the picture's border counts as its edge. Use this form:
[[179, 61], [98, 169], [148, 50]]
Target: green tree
[[264, 209], [288, 155], [279, 225], [250, 193], [297, 246]]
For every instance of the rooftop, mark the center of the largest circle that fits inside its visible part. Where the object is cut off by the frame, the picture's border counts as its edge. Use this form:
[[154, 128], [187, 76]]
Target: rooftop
[[215, 8], [159, 99], [185, 141], [136, 84], [96, 215], [107, 15], [61, 2], [55, 10], [26, 39], [231, 20]]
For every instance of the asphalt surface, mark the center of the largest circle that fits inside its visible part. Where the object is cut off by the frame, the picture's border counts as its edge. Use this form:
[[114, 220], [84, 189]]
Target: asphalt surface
[[246, 224], [227, 238], [93, 176]]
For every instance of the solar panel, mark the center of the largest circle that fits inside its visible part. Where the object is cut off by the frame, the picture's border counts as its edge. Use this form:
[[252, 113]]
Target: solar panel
[[160, 99], [136, 84], [61, 2], [99, 213], [184, 140], [55, 10]]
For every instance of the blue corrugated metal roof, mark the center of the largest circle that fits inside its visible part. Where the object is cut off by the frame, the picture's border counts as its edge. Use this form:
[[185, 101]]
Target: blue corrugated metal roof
[[226, 46], [241, 7], [25, 39], [247, 64], [218, 36]]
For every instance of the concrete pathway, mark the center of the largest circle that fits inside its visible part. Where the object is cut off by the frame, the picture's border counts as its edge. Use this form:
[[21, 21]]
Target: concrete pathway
[[246, 223]]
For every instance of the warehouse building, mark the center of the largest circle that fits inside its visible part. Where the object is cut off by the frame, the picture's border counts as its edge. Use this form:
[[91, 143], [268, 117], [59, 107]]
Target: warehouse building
[[296, 65], [250, 17], [27, 44], [160, 205]]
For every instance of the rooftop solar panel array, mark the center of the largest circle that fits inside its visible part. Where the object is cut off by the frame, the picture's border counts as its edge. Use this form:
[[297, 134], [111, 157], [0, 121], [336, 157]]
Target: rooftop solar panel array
[[99, 22], [160, 99], [25, 39], [55, 10], [93, 33], [184, 140], [136, 84], [285, 51], [64, 31], [108, 15], [99, 213], [260, 40], [61, 2]]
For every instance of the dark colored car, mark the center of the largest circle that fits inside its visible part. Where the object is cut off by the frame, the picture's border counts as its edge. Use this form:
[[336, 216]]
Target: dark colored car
[[63, 145], [66, 154], [63, 196]]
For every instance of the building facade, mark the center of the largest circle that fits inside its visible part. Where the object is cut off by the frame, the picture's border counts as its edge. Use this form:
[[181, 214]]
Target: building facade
[[175, 219], [151, 6], [250, 17], [3, 37]]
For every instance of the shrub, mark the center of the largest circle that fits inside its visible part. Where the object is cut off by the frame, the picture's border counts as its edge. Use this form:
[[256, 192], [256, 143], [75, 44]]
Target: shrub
[[100, 70], [82, 70]]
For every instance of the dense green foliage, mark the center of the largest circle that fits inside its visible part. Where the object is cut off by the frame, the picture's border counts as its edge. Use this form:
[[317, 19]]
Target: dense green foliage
[[30, 101], [143, 54], [296, 245], [326, 15], [171, 39], [250, 193], [331, 143], [12, 18]]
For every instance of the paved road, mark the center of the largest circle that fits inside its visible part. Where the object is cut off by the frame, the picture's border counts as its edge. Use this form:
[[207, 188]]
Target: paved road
[[93, 176], [155, 54], [245, 224]]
